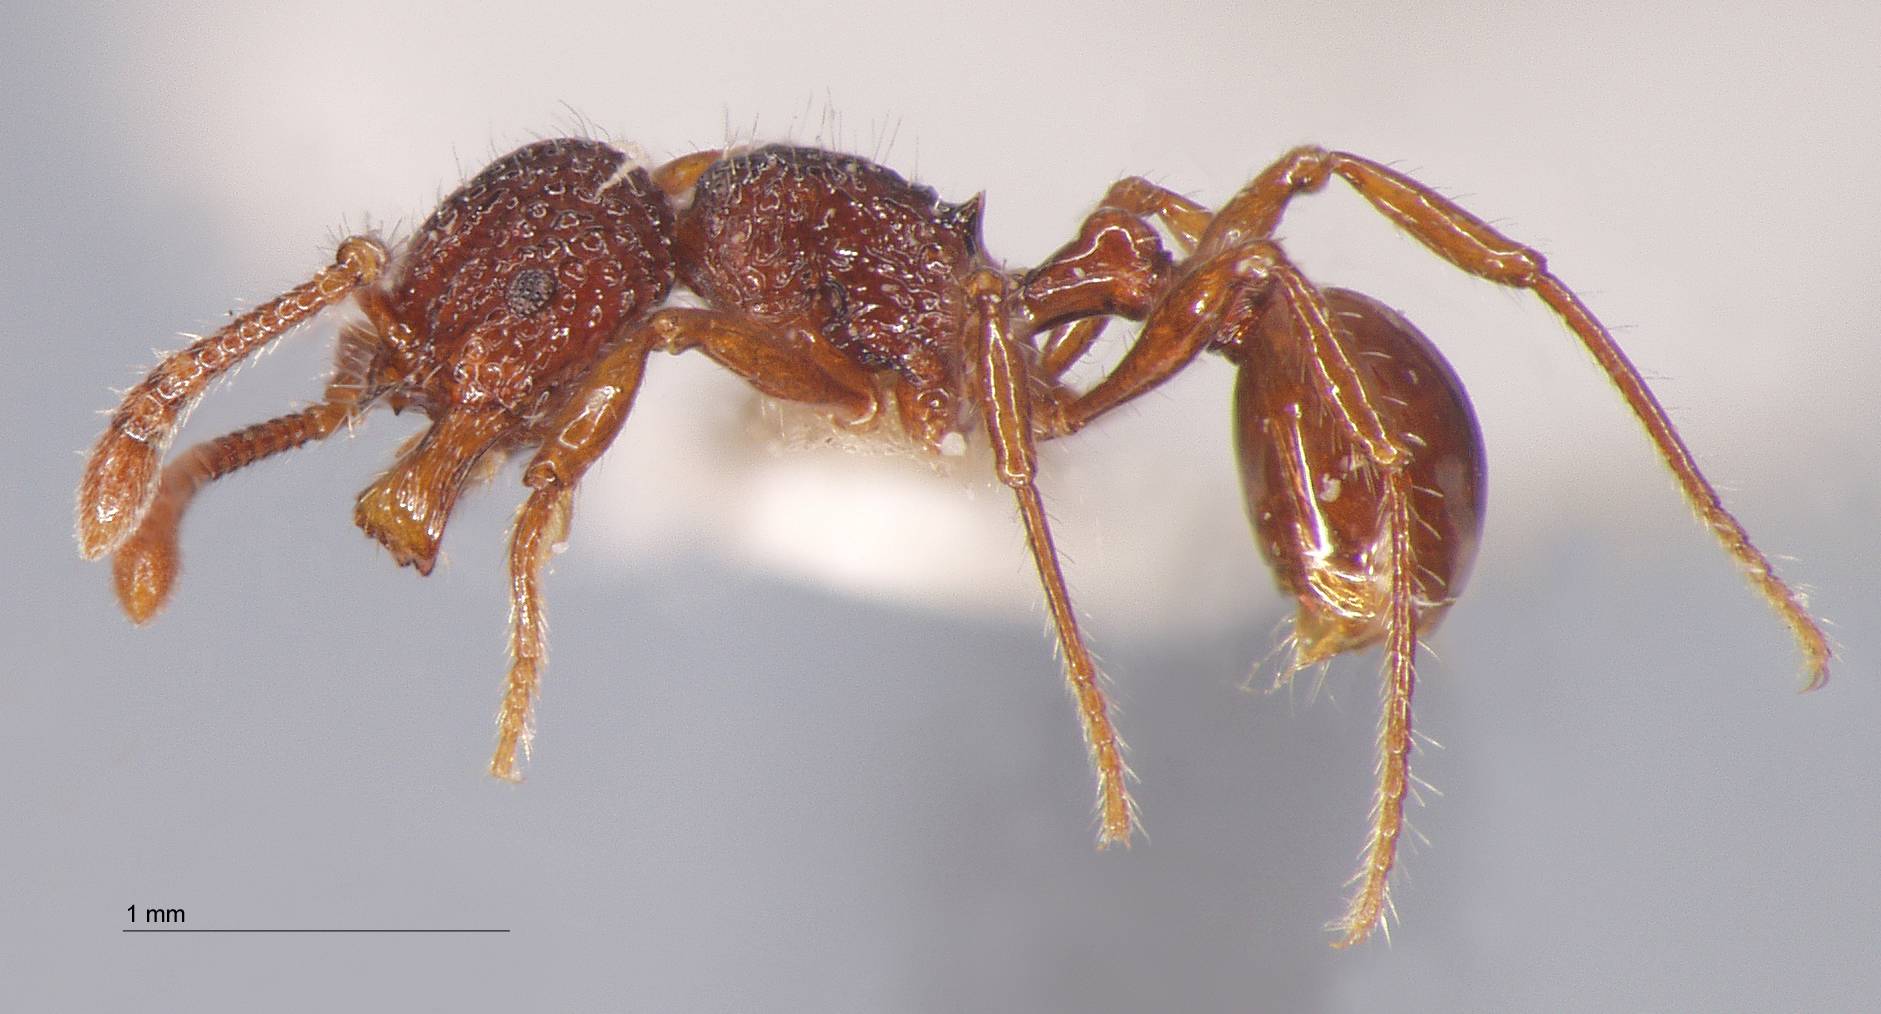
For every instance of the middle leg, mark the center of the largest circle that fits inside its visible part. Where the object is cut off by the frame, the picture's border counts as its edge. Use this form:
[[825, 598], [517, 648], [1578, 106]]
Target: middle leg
[[1005, 401]]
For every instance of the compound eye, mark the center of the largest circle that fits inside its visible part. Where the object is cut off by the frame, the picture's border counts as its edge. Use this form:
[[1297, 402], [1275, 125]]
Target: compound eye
[[530, 291]]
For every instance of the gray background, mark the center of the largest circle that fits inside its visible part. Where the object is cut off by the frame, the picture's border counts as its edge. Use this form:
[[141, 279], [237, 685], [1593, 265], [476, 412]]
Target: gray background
[[780, 773]]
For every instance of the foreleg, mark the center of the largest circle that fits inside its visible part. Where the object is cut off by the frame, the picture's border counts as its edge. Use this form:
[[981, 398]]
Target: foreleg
[[798, 368]]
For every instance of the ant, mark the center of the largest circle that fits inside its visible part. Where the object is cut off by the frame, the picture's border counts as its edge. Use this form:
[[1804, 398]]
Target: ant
[[522, 315]]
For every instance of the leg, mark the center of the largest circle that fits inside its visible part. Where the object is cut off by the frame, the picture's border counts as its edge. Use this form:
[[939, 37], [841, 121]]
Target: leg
[[1372, 900], [1314, 639], [541, 524], [1067, 345], [1186, 220], [1184, 314], [800, 367], [121, 478], [586, 427], [1474, 246], [1185, 320], [1005, 396], [146, 564], [1116, 267], [1215, 304], [1343, 530], [797, 369]]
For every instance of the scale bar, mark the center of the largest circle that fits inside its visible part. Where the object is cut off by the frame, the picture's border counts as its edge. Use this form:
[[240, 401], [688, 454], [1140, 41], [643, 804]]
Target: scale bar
[[314, 931]]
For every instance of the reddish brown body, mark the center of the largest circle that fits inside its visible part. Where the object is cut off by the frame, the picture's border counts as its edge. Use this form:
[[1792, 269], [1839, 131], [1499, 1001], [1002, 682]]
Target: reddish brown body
[[505, 297], [511, 288], [805, 241], [524, 312]]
